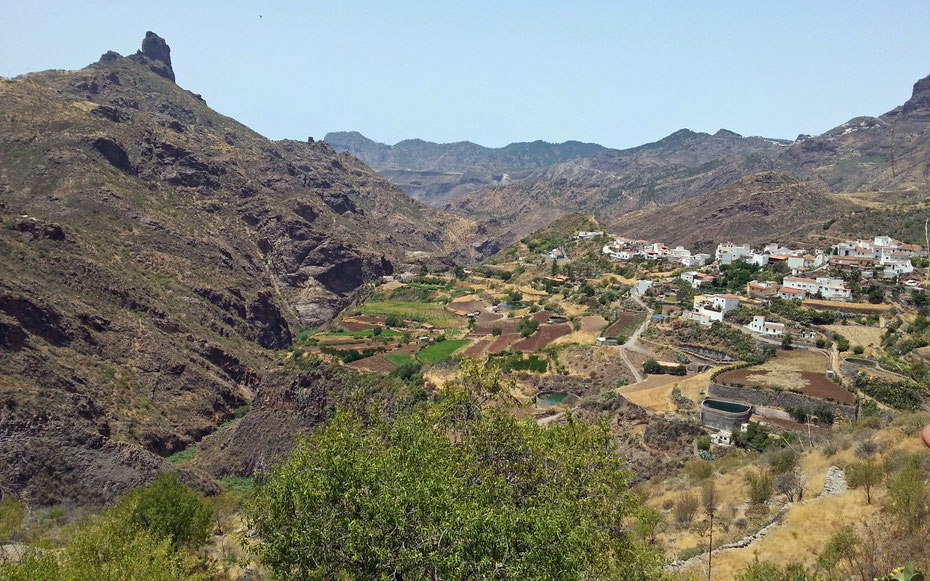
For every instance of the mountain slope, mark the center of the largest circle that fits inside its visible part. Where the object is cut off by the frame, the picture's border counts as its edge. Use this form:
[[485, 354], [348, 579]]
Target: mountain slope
[[152, 253], [610, 184], [433, 172], [888, 152], [764, 207]]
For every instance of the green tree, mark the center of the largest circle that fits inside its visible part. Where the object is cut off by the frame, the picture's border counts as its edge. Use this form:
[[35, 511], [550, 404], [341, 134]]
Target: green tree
[[652, 367], [371, 497], [648, 521], [908, 498], [527, 326], [865, 475], [146, 536]]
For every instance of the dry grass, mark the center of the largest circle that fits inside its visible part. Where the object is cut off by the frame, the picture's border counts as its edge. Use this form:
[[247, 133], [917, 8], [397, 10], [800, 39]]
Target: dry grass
[[857, 334]]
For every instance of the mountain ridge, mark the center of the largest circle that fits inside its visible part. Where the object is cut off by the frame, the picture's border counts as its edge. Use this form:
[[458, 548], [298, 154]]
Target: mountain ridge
[[155, 254]]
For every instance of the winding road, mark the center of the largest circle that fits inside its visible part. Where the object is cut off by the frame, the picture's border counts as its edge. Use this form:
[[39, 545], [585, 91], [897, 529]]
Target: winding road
[[632, 343]]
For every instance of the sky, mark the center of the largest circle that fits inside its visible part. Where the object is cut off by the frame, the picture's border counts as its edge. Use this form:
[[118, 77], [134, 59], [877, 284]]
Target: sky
[[495, 72]]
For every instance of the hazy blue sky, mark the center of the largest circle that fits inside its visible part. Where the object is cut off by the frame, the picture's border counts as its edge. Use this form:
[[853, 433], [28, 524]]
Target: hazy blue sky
[[494, 72]]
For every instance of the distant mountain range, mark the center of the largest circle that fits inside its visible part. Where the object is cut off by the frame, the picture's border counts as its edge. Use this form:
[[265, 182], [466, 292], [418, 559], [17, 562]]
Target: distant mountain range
[[888, 153], [433, 172]]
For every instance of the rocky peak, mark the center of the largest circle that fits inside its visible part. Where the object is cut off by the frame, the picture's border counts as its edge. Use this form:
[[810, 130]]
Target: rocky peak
[[156, 55], [727, 134], [920, 98]]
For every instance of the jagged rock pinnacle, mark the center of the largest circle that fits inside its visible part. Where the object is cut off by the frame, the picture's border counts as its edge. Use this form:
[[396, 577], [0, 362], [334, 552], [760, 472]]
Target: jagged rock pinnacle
[[920, 98], [155, 54]]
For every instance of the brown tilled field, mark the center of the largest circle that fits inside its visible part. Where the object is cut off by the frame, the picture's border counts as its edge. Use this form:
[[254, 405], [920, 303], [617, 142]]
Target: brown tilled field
[[503, 342], [476, 350], [543, 336], [505, 325], [625, 319], [467, 306], [792, 370], [375, 363], [593, 324]]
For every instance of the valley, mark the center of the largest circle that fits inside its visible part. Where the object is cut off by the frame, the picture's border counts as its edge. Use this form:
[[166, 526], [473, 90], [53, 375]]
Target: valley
[[224, 356]]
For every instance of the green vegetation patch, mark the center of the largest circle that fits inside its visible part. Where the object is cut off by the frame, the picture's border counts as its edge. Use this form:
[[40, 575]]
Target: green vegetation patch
[[431, 313], [400, 359], [185, 454], [442, 350]]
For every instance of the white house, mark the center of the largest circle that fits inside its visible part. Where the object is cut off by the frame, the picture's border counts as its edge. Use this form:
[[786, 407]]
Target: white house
[[727, 253], [758, 258], [793, 294], [801, 261], [586, 235], [715, 307], [696, 279], [699, 259], [642, 286], [809, 285], [760, 325]]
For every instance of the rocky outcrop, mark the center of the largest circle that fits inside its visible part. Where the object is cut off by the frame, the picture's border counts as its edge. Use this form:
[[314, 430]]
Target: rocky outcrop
[[835, 482], [920, 98], [156, 55]]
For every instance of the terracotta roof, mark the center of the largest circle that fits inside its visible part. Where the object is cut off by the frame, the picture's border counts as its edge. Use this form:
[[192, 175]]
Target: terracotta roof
[[788, 289]]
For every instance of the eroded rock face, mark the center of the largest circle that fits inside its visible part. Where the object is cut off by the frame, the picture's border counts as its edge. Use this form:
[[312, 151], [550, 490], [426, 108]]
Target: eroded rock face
[[137, 306], [156, 54], [920, 98]]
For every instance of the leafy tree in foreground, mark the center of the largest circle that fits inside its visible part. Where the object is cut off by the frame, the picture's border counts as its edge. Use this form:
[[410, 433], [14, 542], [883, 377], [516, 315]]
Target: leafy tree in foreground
[[146, 536], [368, 497]]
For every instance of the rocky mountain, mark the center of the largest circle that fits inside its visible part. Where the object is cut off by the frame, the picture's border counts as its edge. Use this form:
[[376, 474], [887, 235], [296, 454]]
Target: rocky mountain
[[433, 172], [763, 207], [153, 254], [887, 154], [613, 183]]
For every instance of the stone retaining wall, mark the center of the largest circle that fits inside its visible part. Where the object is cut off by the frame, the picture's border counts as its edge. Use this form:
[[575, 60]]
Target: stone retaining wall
[[779, 399]]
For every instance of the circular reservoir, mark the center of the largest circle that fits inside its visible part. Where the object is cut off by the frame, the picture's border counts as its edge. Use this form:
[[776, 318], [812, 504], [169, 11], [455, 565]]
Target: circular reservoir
[[549, 398], [724, 414]]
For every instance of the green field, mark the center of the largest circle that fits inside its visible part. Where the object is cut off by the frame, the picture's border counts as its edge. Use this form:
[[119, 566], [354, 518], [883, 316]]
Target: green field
[[439, 351], [399, 359], [432, 313]]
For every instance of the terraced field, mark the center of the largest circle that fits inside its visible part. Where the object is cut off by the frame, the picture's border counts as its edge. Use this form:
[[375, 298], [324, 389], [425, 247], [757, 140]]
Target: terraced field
[[432, 313]]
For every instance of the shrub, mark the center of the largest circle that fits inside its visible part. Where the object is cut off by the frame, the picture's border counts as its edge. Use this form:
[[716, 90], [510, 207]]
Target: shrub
[[858, 349], [760, 486], [783, 461], [169, 509], [686, 507], [700, 469], [497, 331], [703, 442]]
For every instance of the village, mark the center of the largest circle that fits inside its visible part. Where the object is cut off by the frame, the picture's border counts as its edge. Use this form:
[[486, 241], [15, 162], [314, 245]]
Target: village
[[802, 338]]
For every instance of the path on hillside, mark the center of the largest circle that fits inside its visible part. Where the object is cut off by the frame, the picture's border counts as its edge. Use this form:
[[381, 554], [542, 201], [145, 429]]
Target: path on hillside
[[632, 343]]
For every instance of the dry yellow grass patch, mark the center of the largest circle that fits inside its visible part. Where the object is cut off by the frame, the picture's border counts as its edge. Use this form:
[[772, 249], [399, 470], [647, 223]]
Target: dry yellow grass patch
[[857, 334], [804, 531], [615, 278]]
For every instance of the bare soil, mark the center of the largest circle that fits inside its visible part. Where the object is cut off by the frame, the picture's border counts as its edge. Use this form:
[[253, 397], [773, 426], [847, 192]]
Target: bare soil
[[543, 336]]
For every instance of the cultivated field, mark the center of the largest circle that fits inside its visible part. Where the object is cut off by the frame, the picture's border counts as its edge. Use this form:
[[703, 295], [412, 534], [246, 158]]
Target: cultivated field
[[798, 371], [432, 313]]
